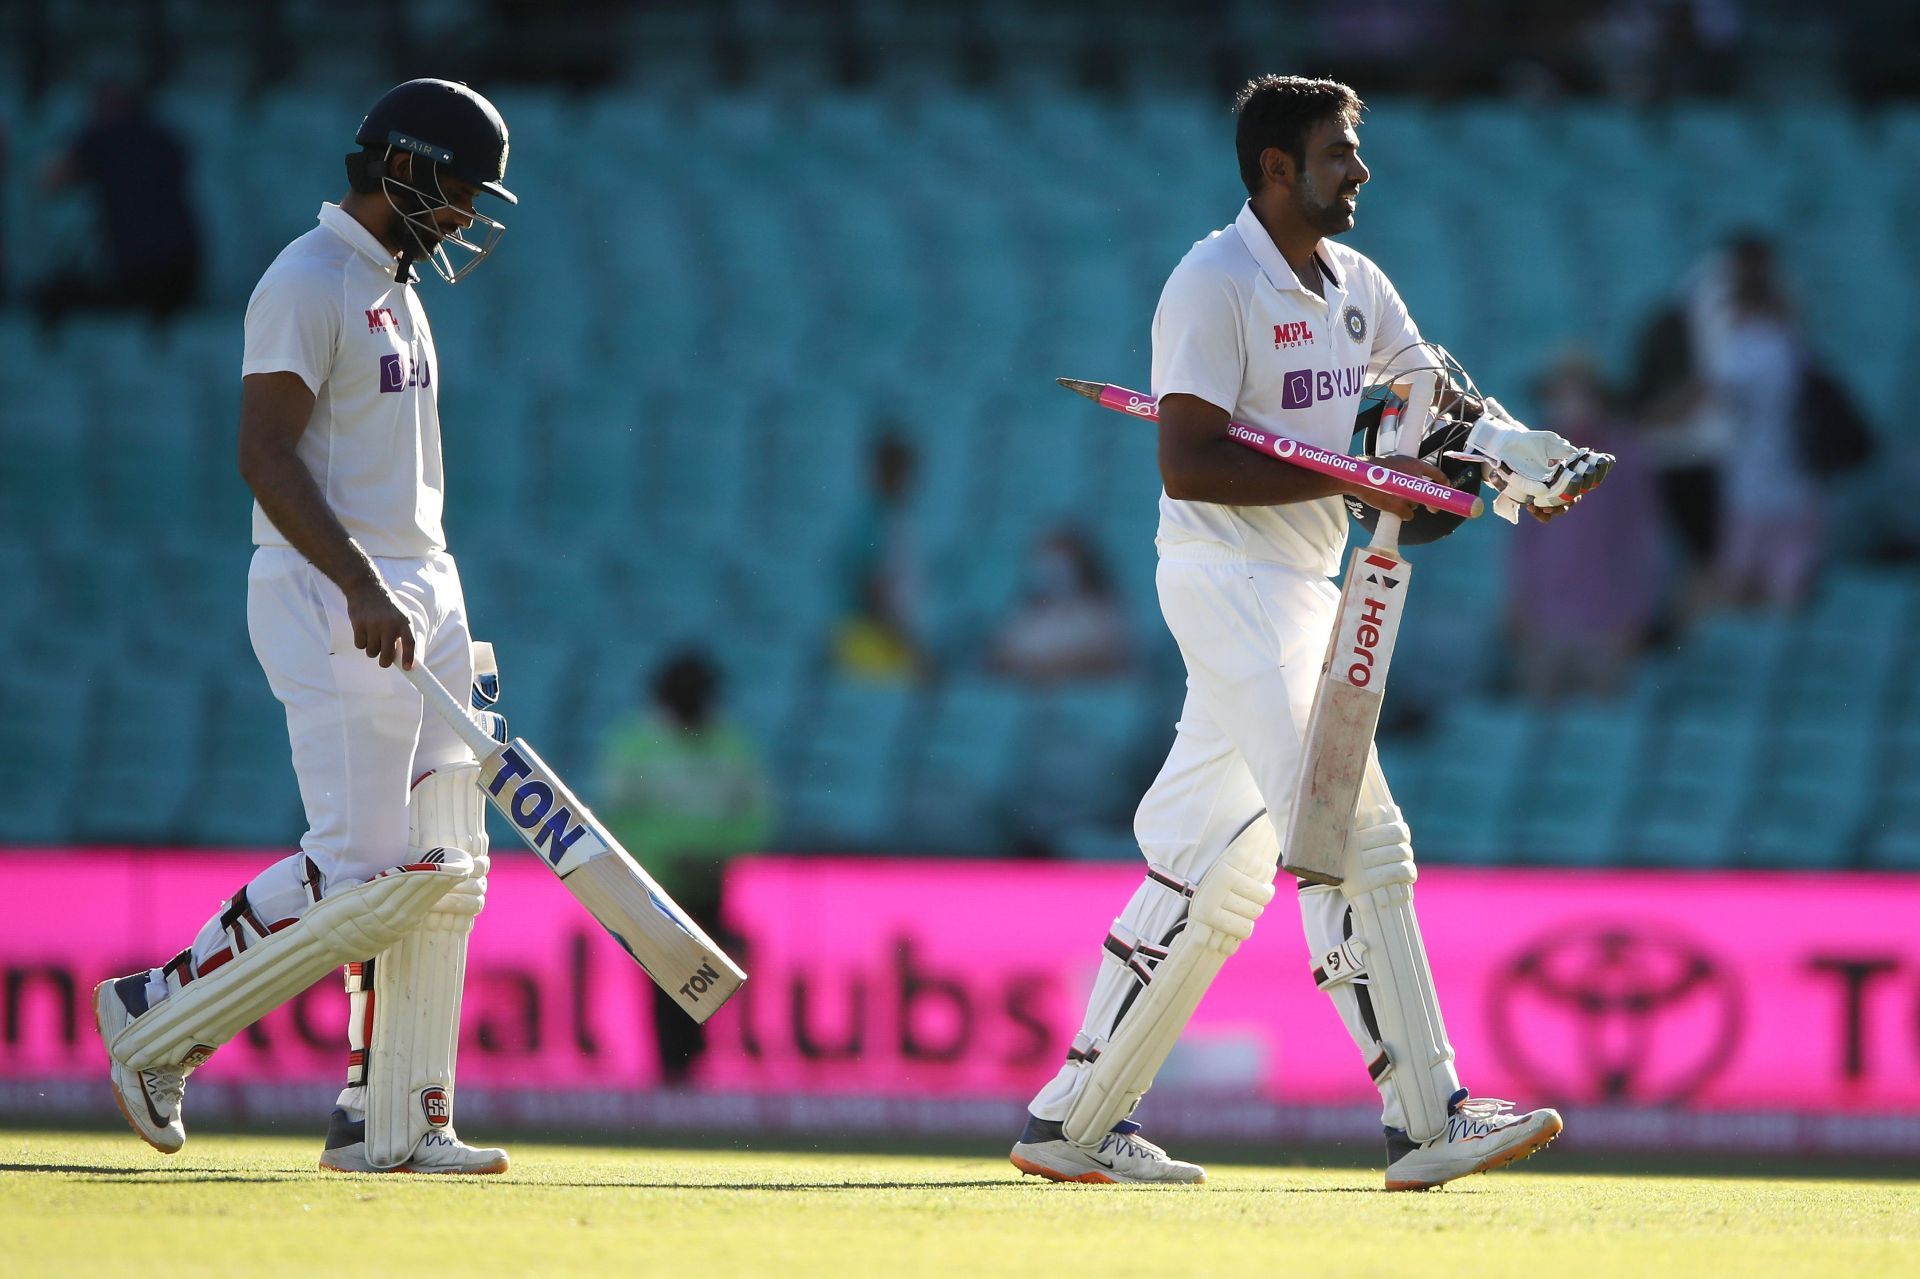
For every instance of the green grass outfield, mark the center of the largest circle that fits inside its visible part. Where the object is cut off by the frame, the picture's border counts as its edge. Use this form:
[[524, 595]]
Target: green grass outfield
[[102, 1204]]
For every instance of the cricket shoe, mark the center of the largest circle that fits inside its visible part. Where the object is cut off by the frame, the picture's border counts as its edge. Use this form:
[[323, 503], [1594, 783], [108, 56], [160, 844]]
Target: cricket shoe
[[150, 1099], [1483, 1133], [438, 1152], [1123, 1156]]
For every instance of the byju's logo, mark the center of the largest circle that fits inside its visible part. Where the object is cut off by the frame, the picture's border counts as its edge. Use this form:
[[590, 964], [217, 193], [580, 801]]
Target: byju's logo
[[398, 372], [1302, 388]]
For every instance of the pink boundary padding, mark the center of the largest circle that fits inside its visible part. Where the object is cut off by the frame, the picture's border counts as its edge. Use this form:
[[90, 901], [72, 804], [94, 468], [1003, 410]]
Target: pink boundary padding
[[1712, 991], [1299, 453]]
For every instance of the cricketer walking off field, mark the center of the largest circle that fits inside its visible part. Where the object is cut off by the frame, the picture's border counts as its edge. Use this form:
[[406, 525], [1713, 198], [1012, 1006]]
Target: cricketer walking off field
[[1269, 322], [350, 583]]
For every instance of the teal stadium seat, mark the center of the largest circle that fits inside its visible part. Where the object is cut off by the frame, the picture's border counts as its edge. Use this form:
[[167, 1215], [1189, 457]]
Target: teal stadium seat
[[960, 767], [246, 795], [1469, 796], [146, 732], [839, 775], [1578, 789], [41, 751], [1692, 808]]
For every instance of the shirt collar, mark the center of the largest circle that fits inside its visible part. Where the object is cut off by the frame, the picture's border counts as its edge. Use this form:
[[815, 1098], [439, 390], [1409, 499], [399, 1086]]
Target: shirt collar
[[348, 228], [1261, 245]]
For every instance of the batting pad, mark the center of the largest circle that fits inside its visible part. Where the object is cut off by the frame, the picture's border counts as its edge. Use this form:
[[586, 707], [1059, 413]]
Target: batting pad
[[1406, 1007], [1226, 902], [1386, 958], [412, 1029], [196, 1018]]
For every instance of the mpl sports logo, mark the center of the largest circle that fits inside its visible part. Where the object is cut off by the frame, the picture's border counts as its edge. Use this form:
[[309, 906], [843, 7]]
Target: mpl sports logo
[[1303, 388], [1291, 335]]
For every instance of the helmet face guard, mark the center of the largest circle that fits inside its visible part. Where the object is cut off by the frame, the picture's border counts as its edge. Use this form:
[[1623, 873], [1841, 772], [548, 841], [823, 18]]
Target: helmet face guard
[[416, 204], [1423, 392], [450, 132]]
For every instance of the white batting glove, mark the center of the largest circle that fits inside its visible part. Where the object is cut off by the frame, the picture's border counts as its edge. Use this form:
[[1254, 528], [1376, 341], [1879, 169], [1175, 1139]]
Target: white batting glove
[[1528, 467]]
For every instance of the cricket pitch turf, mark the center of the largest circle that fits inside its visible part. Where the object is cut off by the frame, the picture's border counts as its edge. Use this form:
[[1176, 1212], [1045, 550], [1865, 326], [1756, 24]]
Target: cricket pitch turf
[[85, 1204]]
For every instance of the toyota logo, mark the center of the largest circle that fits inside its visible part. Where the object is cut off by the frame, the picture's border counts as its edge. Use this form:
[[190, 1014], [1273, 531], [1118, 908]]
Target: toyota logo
[[1615, 1013]]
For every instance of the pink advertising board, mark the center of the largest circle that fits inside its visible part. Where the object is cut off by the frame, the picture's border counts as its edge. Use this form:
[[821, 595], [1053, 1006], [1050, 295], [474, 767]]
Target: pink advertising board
[[1707, 992]]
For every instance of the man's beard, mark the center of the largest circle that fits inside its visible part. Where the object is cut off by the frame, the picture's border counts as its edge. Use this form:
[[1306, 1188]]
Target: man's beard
[[1329, 218]]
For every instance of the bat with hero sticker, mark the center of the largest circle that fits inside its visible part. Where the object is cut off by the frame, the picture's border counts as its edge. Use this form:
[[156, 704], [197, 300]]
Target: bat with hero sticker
[[648, 924], [1346, 707]]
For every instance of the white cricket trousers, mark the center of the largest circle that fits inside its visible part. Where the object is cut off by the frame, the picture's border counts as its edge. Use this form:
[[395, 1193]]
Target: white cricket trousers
[[1253, 635], [360, 734]]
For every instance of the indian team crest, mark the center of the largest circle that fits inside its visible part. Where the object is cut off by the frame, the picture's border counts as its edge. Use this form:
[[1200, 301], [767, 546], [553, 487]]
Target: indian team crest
[[1355, 323]]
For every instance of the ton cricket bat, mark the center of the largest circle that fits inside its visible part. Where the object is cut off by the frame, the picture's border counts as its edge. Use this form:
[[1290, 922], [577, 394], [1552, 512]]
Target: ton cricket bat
[[649, 925]]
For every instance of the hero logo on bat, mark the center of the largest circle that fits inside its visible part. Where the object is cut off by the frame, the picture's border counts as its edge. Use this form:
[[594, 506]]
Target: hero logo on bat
[[1370, 622]]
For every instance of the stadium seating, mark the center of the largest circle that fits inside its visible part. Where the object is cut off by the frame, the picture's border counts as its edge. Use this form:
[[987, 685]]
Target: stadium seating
[[659, 395]]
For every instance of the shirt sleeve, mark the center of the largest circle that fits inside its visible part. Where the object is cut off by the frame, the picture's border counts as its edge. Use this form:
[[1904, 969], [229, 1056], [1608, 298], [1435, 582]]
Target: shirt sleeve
[[1393, 327], [293, 326], [1199, 337]]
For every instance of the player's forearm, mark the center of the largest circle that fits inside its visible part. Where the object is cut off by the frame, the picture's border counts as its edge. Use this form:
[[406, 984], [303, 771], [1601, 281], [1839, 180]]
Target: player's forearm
[[1225, 473], [287, 494]]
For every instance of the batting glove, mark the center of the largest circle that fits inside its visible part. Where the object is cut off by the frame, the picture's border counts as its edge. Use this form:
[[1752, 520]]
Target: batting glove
[[1528, 467]]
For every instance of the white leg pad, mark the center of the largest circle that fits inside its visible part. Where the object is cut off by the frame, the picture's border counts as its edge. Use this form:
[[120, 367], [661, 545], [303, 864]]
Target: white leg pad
[[202, 1012], [1370, 957], [404, 1005], [1226, 902]]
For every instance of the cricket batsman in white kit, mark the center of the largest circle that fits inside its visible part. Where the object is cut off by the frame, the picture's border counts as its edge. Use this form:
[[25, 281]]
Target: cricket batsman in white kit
[[1271, 323], [351, 583]]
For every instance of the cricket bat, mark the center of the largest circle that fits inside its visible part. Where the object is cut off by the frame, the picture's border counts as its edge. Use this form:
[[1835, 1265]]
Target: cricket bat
[[1346, 706], [616, 890]]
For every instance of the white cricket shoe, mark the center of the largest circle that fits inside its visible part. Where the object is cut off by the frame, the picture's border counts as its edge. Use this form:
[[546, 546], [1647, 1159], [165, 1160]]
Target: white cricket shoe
[[1123, 1156], [438, 1152], [150, 1099], [1483, 1133]]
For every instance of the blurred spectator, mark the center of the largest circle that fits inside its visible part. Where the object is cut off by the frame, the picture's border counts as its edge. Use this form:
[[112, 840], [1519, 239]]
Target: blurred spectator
[[1723, 386], [685, 791], [1755, 362], [135, 170], [1650, 50], [1068, 624], [1752, 368], [878, 635], [1585, 592]]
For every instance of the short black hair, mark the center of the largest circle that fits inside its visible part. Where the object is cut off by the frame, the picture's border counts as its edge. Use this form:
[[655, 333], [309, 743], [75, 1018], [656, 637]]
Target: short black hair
[[1279, 111]]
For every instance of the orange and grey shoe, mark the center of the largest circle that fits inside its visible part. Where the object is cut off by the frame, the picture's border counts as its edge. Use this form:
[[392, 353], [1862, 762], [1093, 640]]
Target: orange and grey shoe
[[1123, 1157], [151, 1100], [1482, 1133]]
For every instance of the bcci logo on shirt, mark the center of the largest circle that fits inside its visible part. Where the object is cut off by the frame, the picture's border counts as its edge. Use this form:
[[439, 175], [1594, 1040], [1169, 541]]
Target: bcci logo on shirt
[[1291, 335]]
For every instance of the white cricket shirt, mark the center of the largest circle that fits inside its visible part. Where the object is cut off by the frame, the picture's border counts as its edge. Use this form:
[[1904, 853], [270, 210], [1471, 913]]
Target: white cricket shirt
[[330, 310], [1236, 328]]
